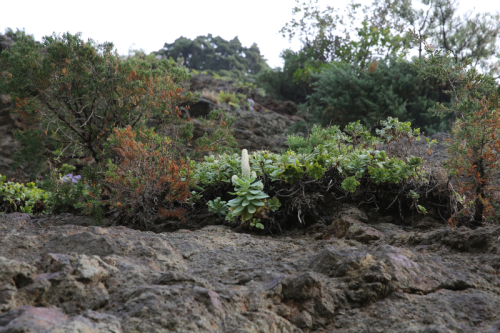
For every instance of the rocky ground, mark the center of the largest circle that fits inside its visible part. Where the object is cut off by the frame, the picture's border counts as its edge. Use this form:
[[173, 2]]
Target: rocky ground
[[61, 274]]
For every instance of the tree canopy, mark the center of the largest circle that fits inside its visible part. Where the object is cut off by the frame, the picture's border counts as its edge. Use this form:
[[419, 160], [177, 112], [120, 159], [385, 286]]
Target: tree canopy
[[329, 35], [208, 53]]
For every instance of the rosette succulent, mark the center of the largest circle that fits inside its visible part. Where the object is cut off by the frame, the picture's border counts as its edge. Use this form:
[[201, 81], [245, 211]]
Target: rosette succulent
[[251, 198]]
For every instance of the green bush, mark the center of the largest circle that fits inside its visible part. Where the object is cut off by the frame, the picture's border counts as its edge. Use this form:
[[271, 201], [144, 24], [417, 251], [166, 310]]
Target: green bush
[[75, 92], [345, 93], [66, 192], [15, 197], [352, 153]]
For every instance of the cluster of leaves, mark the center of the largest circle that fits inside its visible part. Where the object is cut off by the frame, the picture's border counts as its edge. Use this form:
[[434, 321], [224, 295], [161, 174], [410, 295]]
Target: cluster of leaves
[[249, 201], [473, 153], [218, 207], [15, 197]]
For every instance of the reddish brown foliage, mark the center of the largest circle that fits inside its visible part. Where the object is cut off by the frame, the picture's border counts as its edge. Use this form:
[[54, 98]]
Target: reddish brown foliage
[[144, 181], [475, 159]]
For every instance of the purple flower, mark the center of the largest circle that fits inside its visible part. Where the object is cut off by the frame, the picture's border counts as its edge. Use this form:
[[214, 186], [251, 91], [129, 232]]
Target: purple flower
[[70, 178], [252, 103]]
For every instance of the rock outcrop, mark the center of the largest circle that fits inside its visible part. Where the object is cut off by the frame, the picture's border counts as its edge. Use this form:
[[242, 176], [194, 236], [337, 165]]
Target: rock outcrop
[[63, 275], [264, 127]]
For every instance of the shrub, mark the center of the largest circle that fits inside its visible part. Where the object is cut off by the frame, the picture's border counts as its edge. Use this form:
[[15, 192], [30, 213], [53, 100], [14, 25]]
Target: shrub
[[76, 92], [143, 180], [473, 152], [327, 147], [218, 207], [280, 82], [344, 93], [15, 197], [66, 193], [330, 160]]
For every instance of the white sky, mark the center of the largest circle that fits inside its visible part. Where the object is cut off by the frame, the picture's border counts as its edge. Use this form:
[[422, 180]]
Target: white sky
[[148, 24]]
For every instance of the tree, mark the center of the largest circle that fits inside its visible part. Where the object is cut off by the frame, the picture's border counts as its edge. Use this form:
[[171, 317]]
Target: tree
[[472, 36], [208, 53], [420, 20], [326, 34], [15, 35]]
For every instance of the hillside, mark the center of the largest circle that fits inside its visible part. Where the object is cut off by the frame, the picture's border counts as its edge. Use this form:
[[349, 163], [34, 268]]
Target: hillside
[[148, 196]]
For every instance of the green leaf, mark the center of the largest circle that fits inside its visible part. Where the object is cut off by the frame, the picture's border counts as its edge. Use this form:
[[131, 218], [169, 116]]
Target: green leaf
[[251, 209], [233, 204], [237, 200], [257, 183], [245, 216], [238, 210]]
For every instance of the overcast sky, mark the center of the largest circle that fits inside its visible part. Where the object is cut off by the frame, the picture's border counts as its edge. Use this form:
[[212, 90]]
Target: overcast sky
[[147, 24]]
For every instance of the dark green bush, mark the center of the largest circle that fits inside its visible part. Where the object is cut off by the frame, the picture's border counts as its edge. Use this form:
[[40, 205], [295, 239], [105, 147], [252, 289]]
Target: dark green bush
[[280, 82], [343, 94]]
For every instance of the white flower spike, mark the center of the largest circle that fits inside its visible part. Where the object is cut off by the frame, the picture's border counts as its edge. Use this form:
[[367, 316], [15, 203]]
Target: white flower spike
[[245, 164]]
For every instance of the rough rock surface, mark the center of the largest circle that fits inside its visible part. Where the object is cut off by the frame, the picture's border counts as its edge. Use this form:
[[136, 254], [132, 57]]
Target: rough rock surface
[[252, 130], [61, 274], [263, 128]]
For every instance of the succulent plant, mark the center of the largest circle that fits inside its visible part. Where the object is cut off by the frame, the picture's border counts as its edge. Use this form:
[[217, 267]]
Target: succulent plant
[[251, 198], [217, 206]]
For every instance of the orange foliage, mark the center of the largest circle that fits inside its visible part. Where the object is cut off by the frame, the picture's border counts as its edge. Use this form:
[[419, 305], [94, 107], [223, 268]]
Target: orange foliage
[[477, 161], [147, 182]]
